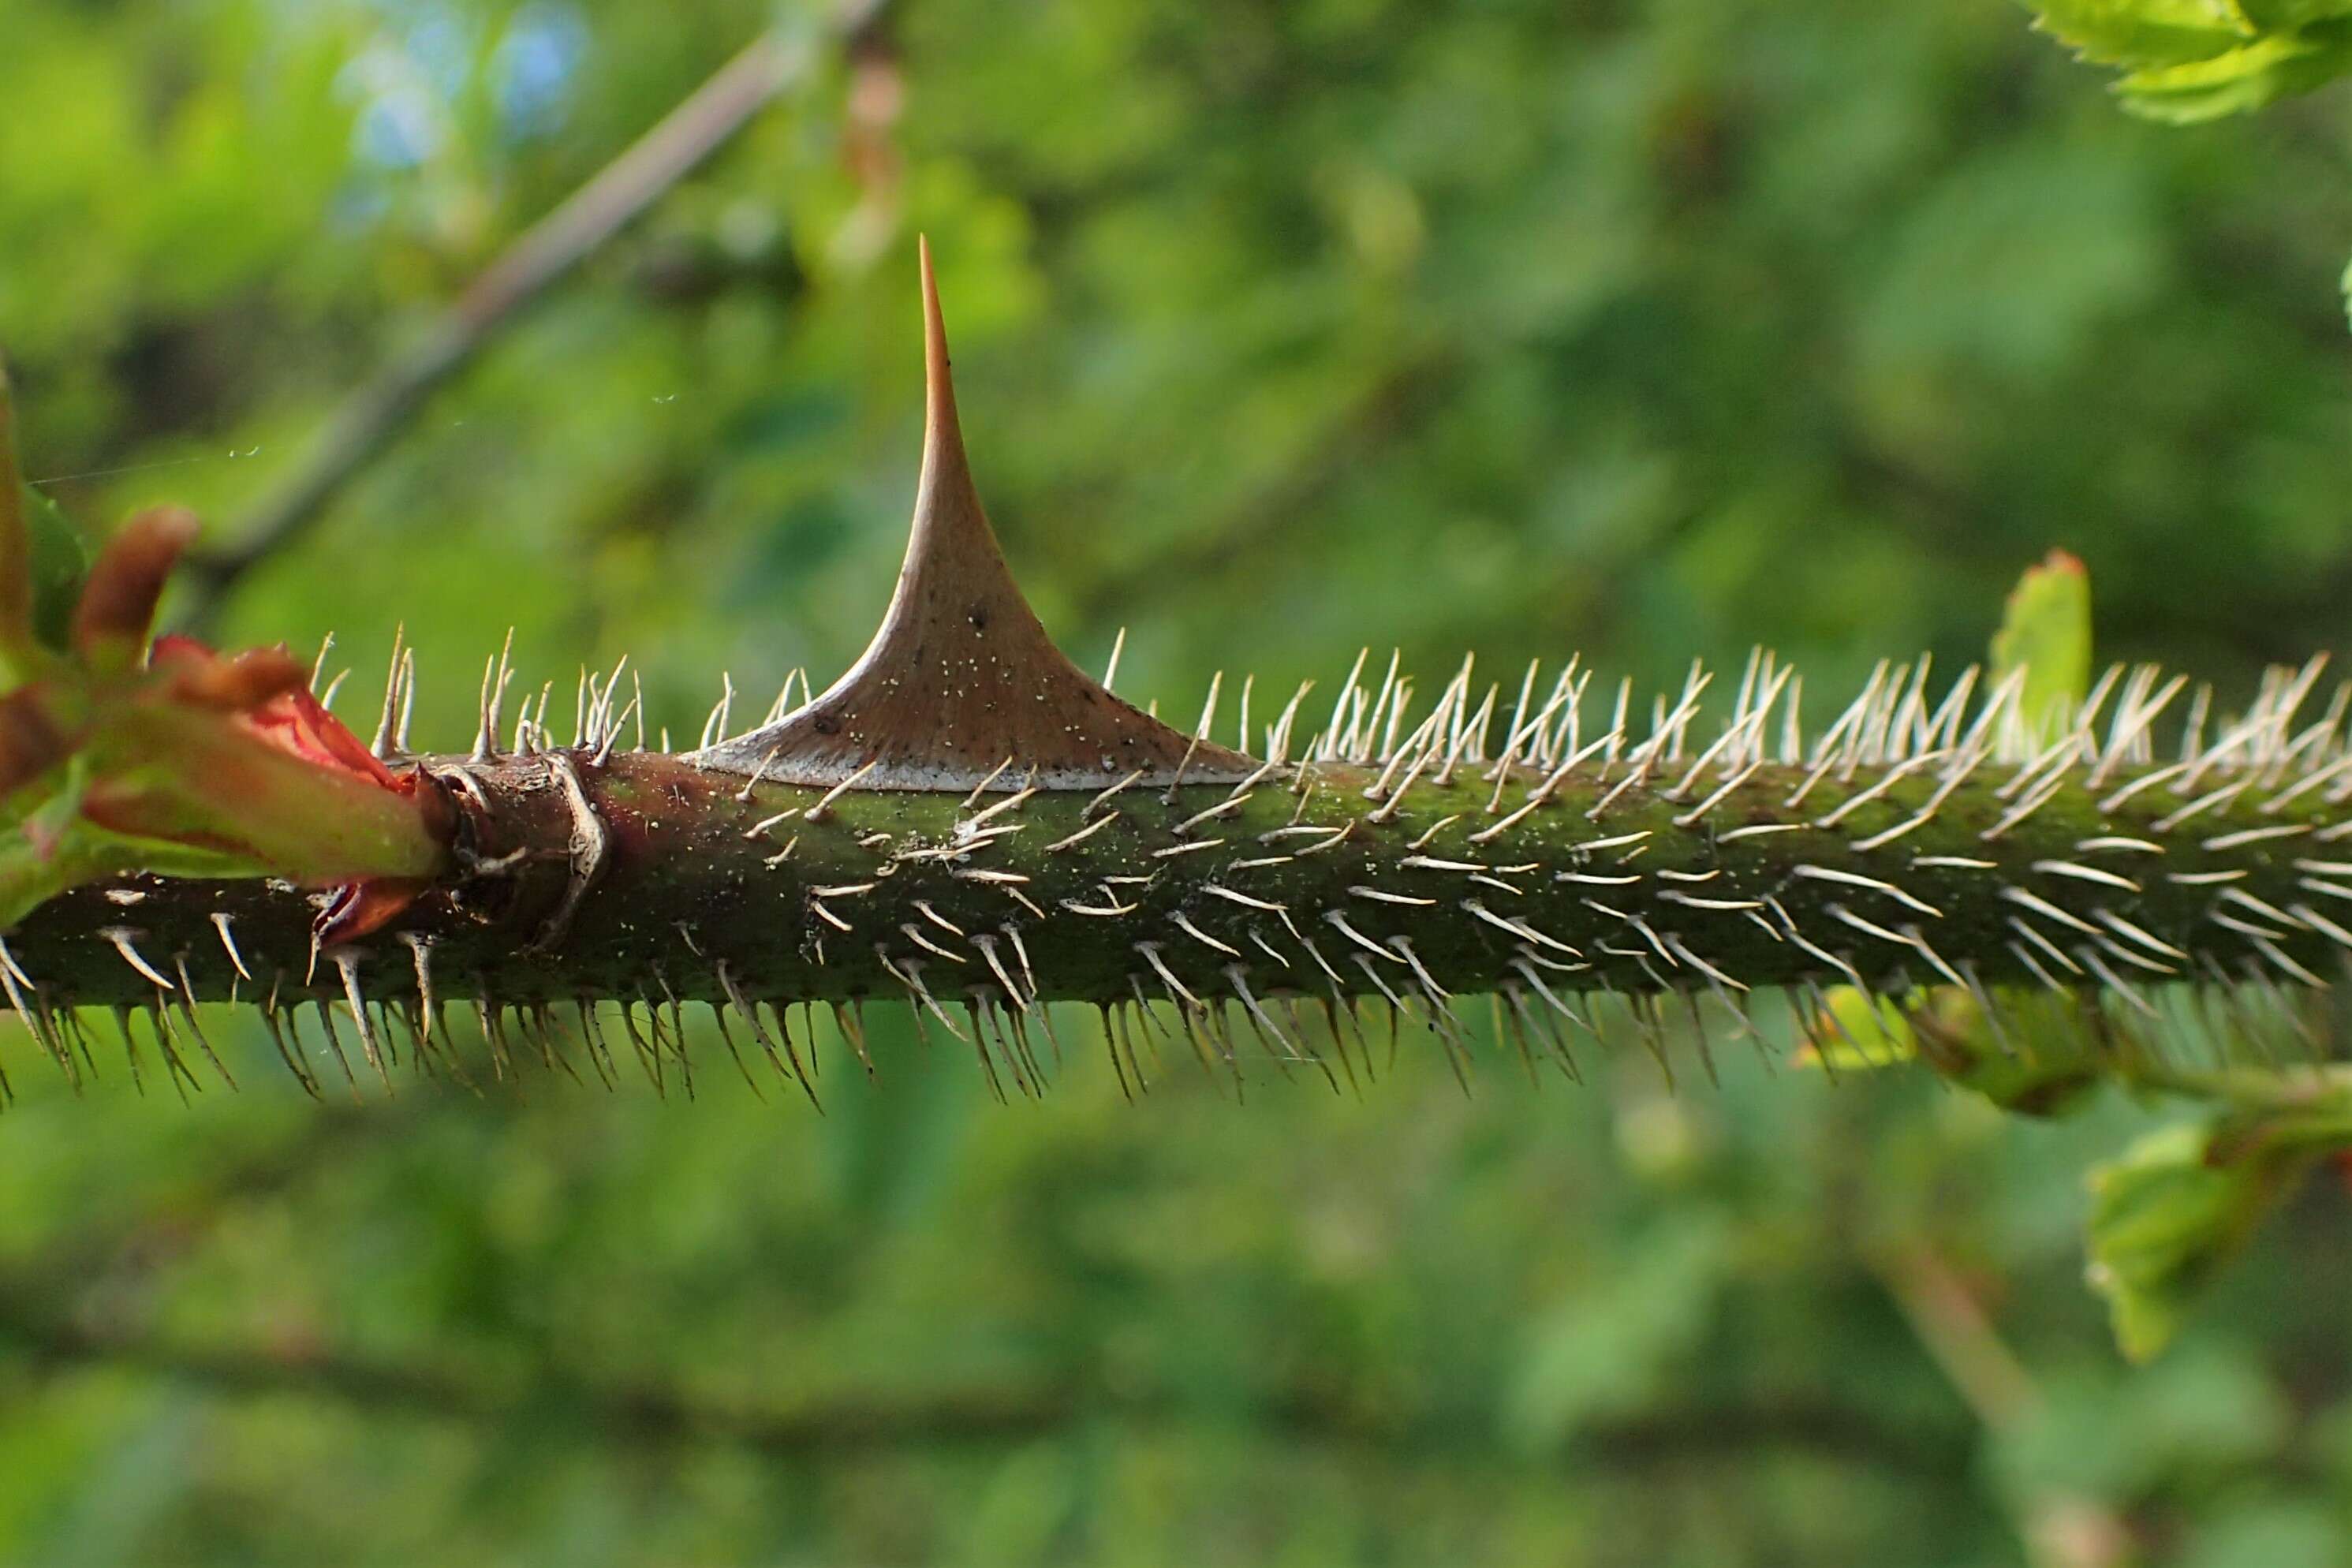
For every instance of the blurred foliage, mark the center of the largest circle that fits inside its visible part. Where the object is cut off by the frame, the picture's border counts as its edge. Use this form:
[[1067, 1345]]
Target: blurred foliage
[[2164, 1216], [1653, 330]]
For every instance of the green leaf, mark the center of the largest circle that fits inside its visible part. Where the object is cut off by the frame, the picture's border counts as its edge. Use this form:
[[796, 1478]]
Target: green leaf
[[2142, 33], [1854, 1036], [2228, 83], [2166, 1215], [2041, 1057], [60, 560], [2046, 631], [42, 560], [2192, 60], [16, 551]]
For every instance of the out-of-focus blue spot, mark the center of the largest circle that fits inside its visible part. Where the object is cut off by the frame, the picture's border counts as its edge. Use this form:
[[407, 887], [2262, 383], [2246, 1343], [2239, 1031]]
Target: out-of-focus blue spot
[[532, 68], [397, 129], [441, 47]]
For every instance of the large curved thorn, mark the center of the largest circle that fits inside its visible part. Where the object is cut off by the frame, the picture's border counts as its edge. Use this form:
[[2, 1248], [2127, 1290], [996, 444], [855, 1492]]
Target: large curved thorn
[[961, 678]]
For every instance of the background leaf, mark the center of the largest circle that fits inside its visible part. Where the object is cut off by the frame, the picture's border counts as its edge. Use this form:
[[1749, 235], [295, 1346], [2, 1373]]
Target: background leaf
[[2166, 1216], [2193, 61], [59, 560]]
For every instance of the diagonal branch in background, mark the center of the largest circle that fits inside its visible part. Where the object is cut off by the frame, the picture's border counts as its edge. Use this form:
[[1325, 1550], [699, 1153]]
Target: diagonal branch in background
[[2059, 1527], [372, 414], [1392, 409]]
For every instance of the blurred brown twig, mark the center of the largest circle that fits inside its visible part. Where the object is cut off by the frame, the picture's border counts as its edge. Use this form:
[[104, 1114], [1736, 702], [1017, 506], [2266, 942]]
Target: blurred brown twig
[[372, 414]]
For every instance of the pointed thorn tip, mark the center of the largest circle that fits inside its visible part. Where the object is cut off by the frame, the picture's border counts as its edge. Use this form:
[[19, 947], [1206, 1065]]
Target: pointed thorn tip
[[941, 435]]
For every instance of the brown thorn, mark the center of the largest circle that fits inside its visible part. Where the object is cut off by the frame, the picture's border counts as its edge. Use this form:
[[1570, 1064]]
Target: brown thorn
[[744, 796], [335, 1044], [420, 949], [347, 963], [67, 1021], [494, 1036], [121, 1017], [1149, 1030], [1150, 951], [648, 1057], [718, 1016], [1110, 1035], [910, 976], [980, 1048], [1021, 951], [177, 1070], [991, 1024], [853, 1029], [1016, 1022], [388, 725], [186, 1000], [539, 1019], [1514, 1025], [221, 924], [791, 1053], [987, 946], [121, 937], [744, 1005], [29, 1013], [294, 1063], [960, 673]]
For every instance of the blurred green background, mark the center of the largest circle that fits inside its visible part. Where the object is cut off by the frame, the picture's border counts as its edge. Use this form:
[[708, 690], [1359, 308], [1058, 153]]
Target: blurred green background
[[1650, 330]]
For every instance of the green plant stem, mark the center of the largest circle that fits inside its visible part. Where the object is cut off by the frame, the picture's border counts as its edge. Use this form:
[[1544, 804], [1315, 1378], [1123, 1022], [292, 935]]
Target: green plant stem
[[657, 879]]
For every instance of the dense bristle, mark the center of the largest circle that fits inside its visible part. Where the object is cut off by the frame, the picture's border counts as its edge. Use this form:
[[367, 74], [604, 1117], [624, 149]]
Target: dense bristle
[[1531, 845]]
